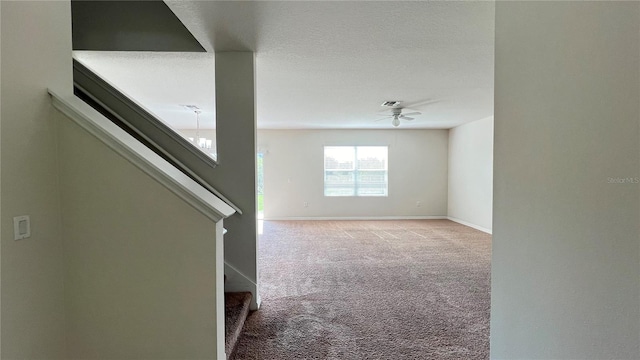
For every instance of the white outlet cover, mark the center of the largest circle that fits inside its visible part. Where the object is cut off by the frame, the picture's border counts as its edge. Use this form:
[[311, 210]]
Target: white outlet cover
[[21, 227]]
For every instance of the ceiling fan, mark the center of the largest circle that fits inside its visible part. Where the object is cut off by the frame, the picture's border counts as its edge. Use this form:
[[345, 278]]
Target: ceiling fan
[[397, 115]]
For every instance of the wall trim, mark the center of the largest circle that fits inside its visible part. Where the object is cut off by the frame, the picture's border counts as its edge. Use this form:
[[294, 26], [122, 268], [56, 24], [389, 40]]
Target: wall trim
[[471, 225], [408, 217], [238, 281], [141, 157], [145, 125]]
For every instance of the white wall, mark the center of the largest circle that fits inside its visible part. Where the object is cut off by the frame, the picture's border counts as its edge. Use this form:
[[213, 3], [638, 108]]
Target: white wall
[[566, 259], [471, 174], [294, 165], [140, 272], [36, 54]]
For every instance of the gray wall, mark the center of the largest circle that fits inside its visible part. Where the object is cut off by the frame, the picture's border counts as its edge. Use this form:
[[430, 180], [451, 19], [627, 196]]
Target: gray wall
[[129, 26], [140, 263], [566, 260], [36, 54], [235, 176], [294, 165]]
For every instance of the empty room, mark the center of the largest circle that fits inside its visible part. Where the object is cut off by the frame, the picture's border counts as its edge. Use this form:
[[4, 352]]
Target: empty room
[[373, 171], [320, 180]]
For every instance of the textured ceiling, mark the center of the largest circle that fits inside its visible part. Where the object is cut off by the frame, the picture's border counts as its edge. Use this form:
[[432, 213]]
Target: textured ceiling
[[324, 64]]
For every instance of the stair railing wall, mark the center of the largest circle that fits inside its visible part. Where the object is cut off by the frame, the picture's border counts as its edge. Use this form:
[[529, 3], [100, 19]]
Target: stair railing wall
[[144, 126]]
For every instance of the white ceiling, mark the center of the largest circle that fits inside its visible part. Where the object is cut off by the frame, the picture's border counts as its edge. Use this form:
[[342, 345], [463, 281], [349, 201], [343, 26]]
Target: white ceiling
[[323, 64]]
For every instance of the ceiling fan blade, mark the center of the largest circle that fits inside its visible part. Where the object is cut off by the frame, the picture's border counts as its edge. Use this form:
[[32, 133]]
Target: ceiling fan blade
[[422, 103], [384, 118], [406, 118], [412, 113], [385, 111]]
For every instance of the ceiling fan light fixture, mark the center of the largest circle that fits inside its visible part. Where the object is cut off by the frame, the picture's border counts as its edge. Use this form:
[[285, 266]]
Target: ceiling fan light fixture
[[395, 122]]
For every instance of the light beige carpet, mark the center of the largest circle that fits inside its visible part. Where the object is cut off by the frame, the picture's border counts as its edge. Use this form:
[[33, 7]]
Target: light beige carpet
[[370, 290]]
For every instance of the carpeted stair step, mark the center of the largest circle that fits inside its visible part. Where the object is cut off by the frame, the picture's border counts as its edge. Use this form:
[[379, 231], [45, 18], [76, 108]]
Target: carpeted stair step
[[236, 307]]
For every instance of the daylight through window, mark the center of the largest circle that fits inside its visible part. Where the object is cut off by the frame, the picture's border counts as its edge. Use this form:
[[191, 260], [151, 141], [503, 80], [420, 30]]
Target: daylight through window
[[355, 171]]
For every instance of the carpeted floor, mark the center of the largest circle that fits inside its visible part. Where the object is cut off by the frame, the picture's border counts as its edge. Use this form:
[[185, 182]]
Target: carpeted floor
[[414, 289]]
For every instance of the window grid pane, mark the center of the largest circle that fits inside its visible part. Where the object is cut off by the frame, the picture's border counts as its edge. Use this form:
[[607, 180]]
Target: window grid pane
[[355, 171]]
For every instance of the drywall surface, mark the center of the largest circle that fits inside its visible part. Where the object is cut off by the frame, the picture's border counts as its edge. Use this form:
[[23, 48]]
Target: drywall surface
[[235, 175], [566, 266], [129, 26], [294, 173], [0, 181], [140, 273], [36, 55], [471, 173]]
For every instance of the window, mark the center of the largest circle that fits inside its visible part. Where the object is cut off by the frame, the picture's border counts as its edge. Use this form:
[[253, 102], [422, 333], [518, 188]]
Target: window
[[355, 171]]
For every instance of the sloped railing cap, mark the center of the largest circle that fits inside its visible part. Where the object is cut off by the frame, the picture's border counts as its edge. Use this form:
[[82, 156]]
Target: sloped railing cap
[[142, 157]]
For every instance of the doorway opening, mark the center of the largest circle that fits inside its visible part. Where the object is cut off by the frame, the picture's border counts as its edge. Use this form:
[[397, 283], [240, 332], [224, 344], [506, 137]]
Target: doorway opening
[[260, 190]]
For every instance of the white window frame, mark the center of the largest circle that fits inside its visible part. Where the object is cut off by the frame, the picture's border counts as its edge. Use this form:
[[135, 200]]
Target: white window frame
[[356, 171]]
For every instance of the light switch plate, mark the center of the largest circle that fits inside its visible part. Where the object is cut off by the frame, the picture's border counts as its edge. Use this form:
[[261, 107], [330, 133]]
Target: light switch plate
[[21, 227]]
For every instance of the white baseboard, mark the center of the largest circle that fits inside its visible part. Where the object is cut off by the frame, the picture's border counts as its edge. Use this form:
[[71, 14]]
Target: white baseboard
[[409, 217], [239, 282], [466, 223]]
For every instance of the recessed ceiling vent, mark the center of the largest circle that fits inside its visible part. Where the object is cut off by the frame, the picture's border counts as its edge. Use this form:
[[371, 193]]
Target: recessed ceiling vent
[[391, 103]]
